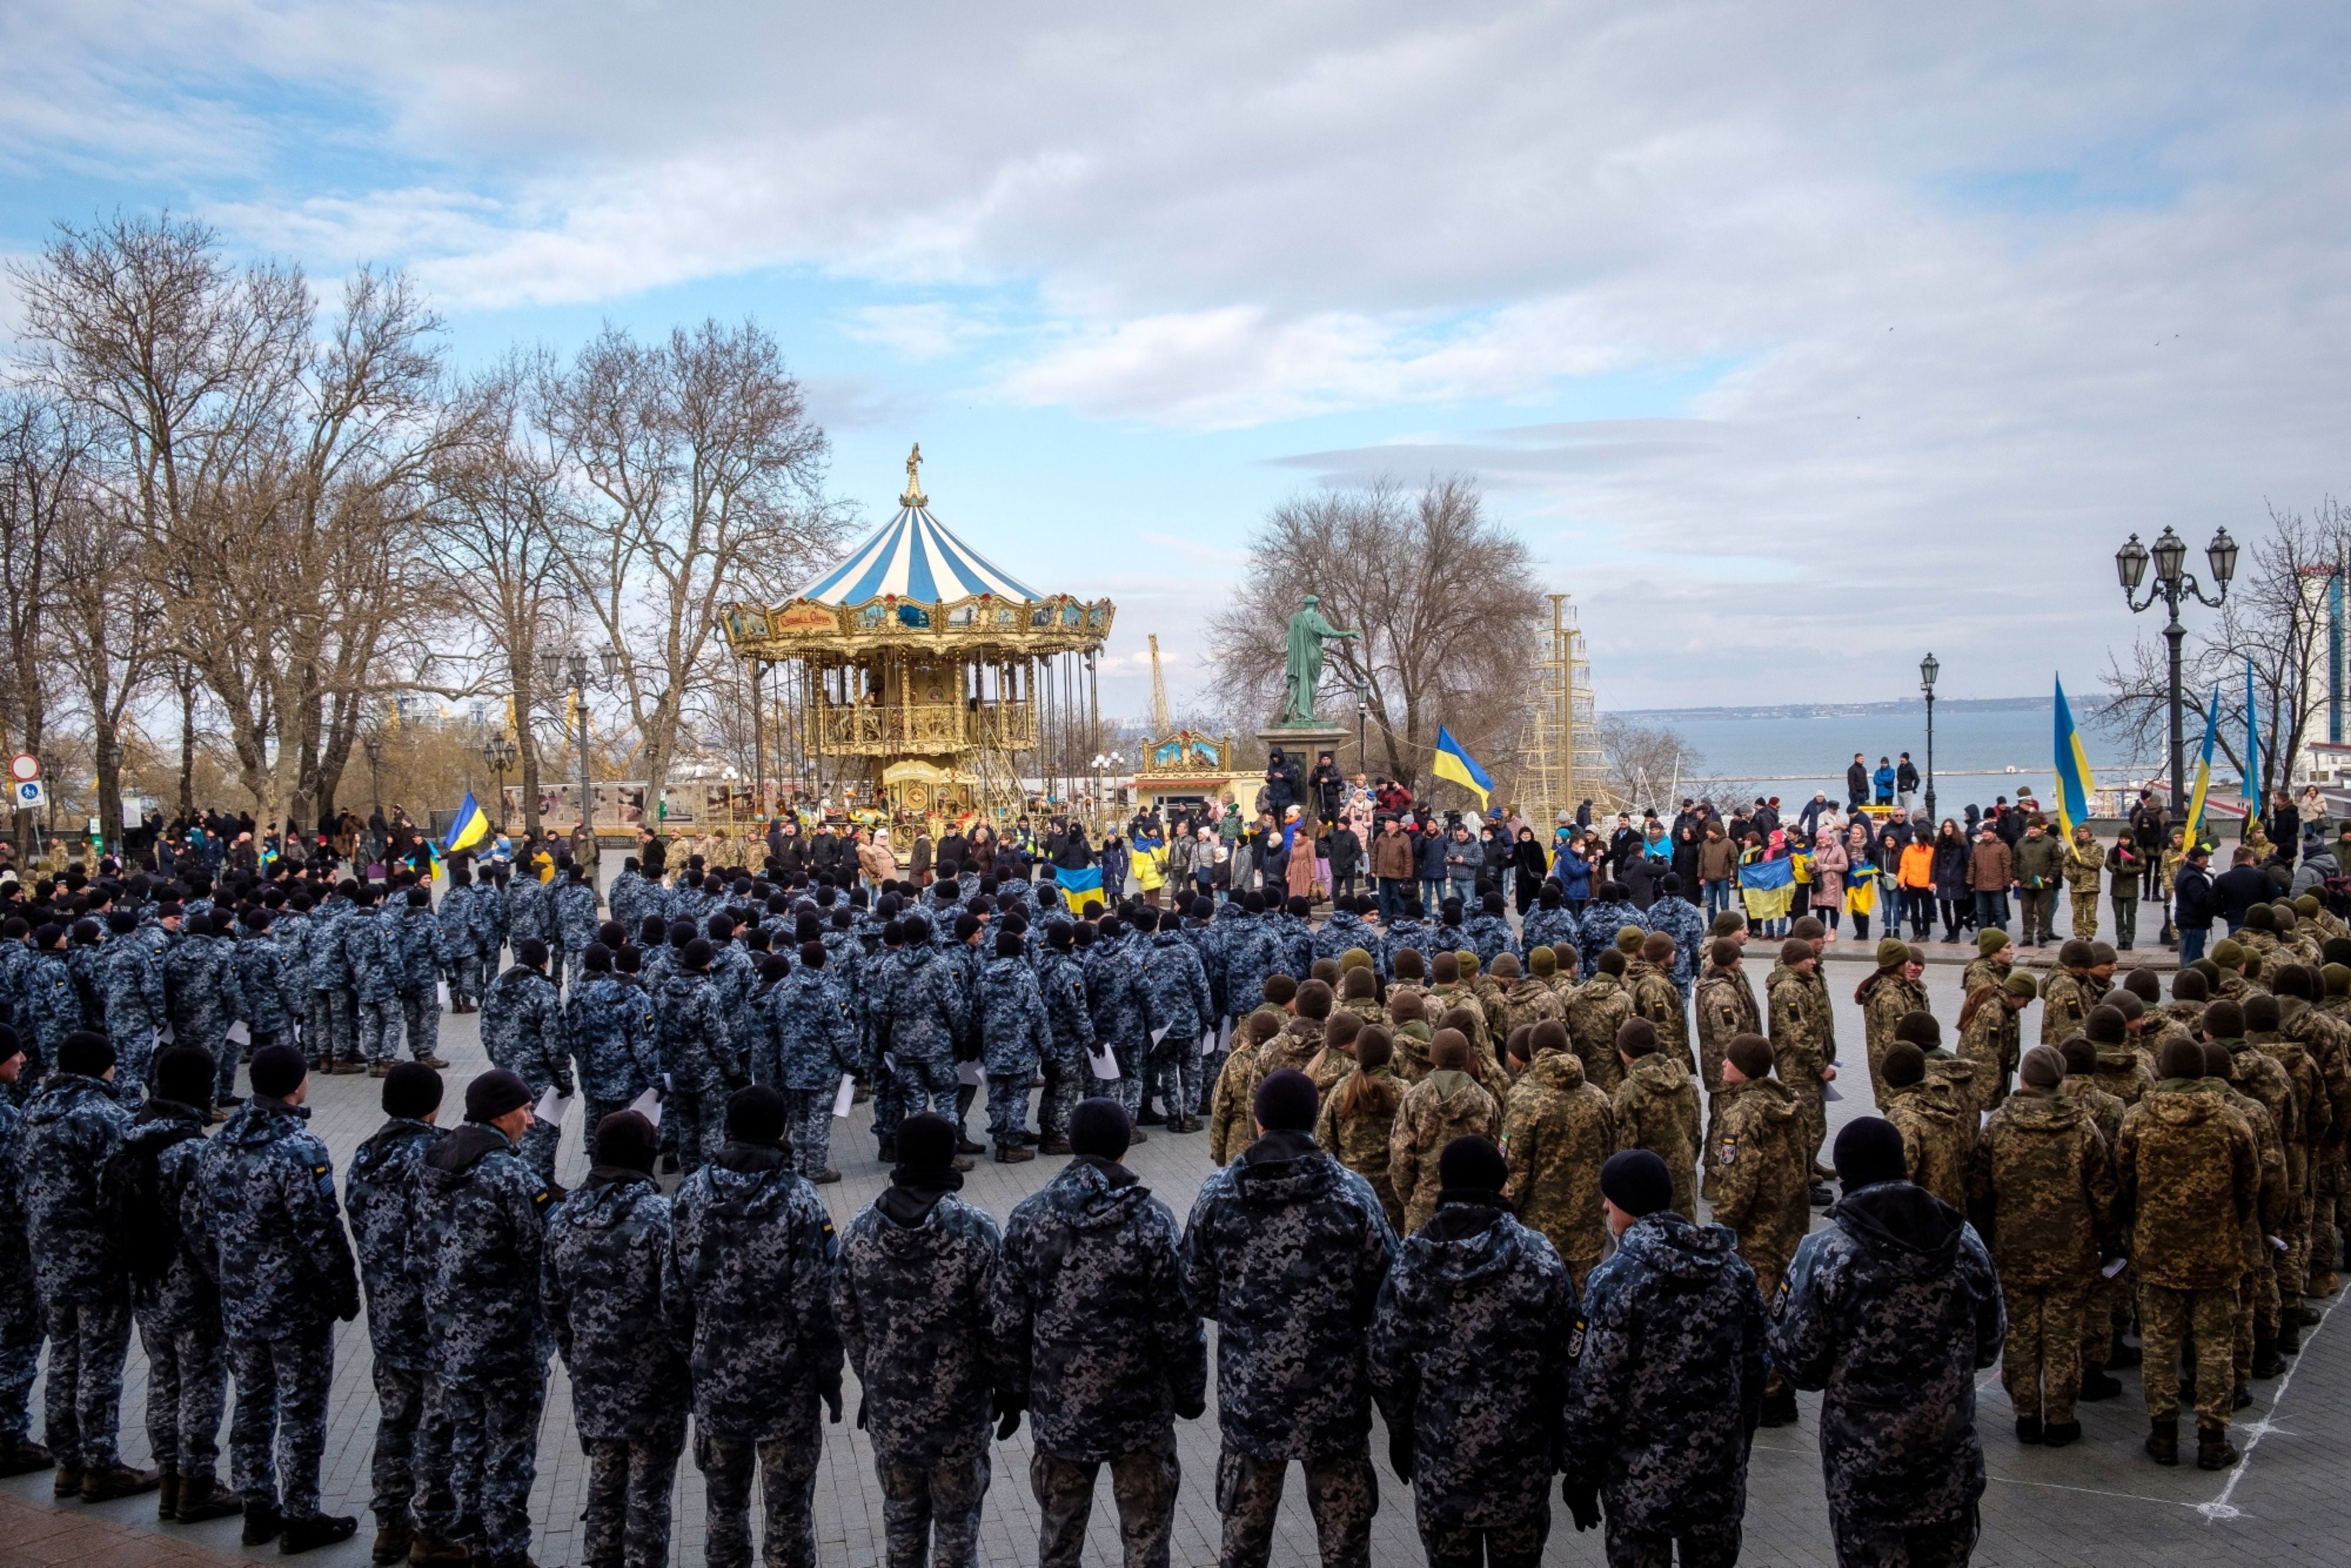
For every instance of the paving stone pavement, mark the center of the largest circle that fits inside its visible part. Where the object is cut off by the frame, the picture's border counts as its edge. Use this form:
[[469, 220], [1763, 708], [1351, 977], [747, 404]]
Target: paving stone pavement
[[2099, 1500]]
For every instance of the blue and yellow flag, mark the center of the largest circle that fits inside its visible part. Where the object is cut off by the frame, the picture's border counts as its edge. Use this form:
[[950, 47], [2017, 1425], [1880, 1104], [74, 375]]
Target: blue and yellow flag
[[470, 827], [2253, 787], [1453, 762], [2073, 780], [2195, 824], [1767, 888]]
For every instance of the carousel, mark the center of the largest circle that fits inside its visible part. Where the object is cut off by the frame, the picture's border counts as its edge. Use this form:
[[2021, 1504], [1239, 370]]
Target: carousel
[[919, 678]]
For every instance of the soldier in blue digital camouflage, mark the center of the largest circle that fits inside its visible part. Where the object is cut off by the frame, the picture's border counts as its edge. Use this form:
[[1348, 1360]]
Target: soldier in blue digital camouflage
[[600, 1287], [571, 910], [462, 937], [877, 992], [930, 1012], [375, 980], [376, 1194], [477, 1229], [492, 922], [1095, 1341], [1286, 1248], [263, 1219], [631, 897], [1016, 1034], [1667, 1381], [527, 915], [331, 1041], [614, 1037], [175, 1303], [1068, 1078], [733, 973], [1178, 1013], [48, 1002], [522, 1031], [130, 978], [912, 1297], [21, 1325], [815, 1034], [1488, 930], [270, 995], [1115, 1000], [1895, 1309], [207, 996], [70, 1129], [1468, 1362], [1347, 928], [413, 944], [1550, 923], [1682, 921], [698, 1052], [748, 1289], [1604, 917]]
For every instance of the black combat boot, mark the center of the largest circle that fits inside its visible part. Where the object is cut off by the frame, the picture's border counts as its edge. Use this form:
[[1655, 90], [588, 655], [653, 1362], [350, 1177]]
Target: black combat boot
[[2029, 1429], [2267, 1362], [23, 1457], [2057, 1434], [2122, 1354], [2289, 1334], [2163, 1439], [318, 1530], [2096, 1384], [394, 1536], [262, 1523], [2213, 1450]]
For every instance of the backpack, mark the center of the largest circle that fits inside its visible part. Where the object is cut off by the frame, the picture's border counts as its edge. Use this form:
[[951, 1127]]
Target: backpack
[[143, 1226]]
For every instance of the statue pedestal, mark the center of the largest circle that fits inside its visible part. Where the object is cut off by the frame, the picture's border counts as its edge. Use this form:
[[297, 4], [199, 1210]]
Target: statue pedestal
[[1306, 739]]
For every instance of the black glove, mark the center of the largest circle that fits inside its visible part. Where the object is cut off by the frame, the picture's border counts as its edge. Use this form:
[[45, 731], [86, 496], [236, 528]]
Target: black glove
[[1009, 1407], [346, 1304], [860, 1412], [1192, 1409], [1400, 1451], [830, 1394], [1582, 1502]]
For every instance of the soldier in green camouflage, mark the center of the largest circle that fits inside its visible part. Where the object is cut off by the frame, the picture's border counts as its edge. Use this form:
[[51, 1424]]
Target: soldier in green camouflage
[[2084, 862], [1758, 1179], [2121, 1072], [1657, 1108], [1939, 1130], [1357, 1120], [1657, 998], [1448, 1104], [1594, 1013], [2065, 997], [1557, 1130], [2257, 1297], [1800, 1044], [1995, 956], [1990, 1037], [1891, 993]]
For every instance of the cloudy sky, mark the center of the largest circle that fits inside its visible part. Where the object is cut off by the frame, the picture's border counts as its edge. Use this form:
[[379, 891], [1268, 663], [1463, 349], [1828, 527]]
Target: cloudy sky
[[1795, 338]]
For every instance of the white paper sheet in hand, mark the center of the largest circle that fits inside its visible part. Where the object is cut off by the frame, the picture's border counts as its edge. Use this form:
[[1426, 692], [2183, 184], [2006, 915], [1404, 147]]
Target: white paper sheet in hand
[[845, 1097], [552, 1107], [238, 1034], [647, 1105], [1829, 1091], [2114, 1267], [970, 1074], [1160, 1033], [444, 990], [1104, 1062]]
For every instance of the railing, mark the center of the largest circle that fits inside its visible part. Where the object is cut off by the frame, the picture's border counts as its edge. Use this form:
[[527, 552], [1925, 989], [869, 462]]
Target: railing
[[870, 727]]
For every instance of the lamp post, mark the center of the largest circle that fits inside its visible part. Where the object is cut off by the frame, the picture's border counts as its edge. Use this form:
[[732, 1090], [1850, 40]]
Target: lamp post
[[374, 747], [1928, 669], [2172, 583], [1362, 729], [499, 754]]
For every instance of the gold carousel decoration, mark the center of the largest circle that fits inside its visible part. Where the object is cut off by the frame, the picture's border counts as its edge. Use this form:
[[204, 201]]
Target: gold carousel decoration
[[919, 675]]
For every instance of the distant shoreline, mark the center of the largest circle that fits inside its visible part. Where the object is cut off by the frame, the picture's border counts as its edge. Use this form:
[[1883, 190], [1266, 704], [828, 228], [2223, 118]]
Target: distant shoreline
[[1849, 710]]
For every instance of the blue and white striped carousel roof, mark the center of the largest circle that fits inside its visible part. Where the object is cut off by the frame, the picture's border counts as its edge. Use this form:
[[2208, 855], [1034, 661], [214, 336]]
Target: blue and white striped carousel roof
[[914, 558]]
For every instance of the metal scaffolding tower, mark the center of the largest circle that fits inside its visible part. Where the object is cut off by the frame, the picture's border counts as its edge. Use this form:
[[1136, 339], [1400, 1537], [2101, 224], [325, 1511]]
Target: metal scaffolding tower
[[1560, 742]]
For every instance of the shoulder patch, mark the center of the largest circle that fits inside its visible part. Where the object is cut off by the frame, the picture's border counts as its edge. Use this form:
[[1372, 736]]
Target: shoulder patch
[[1729, 1151], [541, 1198], [324, 1177], [1780, 1297], [1575, 1341]]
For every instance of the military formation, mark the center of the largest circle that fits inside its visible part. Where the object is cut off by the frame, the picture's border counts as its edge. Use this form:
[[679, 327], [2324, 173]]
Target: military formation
[[1485, 1180]]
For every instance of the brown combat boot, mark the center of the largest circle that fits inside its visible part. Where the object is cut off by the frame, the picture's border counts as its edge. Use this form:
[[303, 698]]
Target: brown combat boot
[[1013, 1154], [167, 1496], [2213, 1450], [116, 1480], [203, 1498], [2163, 1439]]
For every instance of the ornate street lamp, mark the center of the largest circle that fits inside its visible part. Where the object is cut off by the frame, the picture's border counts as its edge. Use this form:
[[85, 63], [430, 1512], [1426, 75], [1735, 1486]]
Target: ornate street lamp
[[2172, 584], [1929, 668]]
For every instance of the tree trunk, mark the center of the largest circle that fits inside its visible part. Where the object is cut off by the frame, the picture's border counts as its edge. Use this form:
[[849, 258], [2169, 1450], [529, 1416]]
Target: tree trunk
[[110, 781], [187, 747]]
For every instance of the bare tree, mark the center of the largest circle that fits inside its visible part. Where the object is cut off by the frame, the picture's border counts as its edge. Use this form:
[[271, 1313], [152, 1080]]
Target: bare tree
[[42, 451], [2274, 618], [701, 477], [1445, 601], [105, 634]]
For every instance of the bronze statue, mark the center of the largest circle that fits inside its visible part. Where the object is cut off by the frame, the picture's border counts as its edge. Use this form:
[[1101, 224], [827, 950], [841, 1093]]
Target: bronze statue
[[1306, 633]]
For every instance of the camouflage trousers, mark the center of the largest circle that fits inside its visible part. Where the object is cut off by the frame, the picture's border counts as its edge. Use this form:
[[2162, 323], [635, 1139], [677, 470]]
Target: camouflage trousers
[[399, 1406], [787, 1469], [808, 1120], [1518, 1545], [2257, 1314], [465, 979], [379, 1029], [87, 1341], [333, 1031], [20, 1365], [2105, 1315], [1947, 1544], [1212, 1062], [698, 1111], [889, 1105], [133, 1038], [1704, 1546], [1066, 1078], [420, 1011], [2086, 915], [477, 1457], [1142, 1484], [2167, 1319], [1342, 1493], [2041, 1363], [1008, 1103], [278, 1436], [1128, 1089], [1811, 1116], [624, 1518], [187, 1384], [930, 1506], [925, 1084], [1173, 1074]]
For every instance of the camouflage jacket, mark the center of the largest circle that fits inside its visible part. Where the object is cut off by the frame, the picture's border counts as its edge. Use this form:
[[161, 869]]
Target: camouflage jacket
[[1656, 998], [2065, 1006], [918, 1278], [1939, 1136], [1597, 931], [272, 1001], [172, 1291], [1469, 1353], [20, 1302], [1892, 1310], [1799, 1048], [412, 950], [263, 1219], [1666, 1381], [70, 1129], [747, 1291], [133, 980], [1657, 1109], [1014, 1033], [1286, 1249], [2044, 1184], [814, 1031], [1252, 955], [1174, 991], [600, 1289], [929, 1011], [462, 934], [477, 1229], [522, 1030], [1441, 1107], [1594, 1014], [1063, 987], [2187, 1175], [1088, 1317], [1761, 1173], [526, 911], [1557, 1131], [1726, 1008], [375, 1196], [615, 1038], [1992, 1042], [571, 909], [1114, 994], [1680, 919], [324, 965], [368, 954]]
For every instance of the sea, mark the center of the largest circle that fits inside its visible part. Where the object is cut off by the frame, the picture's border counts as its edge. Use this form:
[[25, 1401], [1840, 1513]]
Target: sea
[[1984, 747]]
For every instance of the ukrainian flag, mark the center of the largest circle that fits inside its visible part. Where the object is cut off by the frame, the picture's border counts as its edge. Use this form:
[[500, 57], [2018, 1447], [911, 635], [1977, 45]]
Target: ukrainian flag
[[2073, 780], [2251, 789], [1453, 762], [1086, 879], [470, 827], [2195, 824], [1767, 888]]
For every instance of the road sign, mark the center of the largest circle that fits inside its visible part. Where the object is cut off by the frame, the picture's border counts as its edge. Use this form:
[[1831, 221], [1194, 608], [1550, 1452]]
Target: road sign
[[23, 767], [30, 794]]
